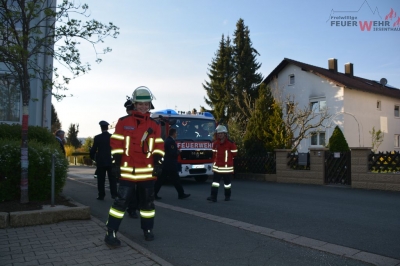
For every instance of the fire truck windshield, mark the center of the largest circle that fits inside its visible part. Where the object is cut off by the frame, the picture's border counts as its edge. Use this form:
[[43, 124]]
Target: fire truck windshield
[[194, 128]]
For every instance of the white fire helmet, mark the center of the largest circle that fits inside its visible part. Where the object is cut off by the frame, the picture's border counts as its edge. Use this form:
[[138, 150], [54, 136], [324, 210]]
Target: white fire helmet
[[221, 129], [142, 94]]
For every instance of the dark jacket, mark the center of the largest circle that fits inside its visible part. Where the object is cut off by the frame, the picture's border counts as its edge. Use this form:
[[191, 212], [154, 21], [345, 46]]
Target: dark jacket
[[61, 144], [101, 150], [171, 155]]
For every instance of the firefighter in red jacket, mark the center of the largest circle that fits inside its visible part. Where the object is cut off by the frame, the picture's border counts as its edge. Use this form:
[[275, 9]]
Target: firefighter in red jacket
[[137, 148], [224, 150]]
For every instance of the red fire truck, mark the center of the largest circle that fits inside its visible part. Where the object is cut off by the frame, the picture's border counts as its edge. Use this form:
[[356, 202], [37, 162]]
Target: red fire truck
[[194, 140]]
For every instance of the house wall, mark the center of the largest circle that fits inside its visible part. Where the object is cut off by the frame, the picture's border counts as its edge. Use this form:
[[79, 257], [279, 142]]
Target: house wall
[[363, 106], [308, 85], [40, 110], [354, 111]]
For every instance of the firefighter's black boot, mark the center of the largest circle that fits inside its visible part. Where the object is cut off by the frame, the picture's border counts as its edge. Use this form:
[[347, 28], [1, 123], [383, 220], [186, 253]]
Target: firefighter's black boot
[[148, 235], [111, 238], [211, 198], [214, 194]]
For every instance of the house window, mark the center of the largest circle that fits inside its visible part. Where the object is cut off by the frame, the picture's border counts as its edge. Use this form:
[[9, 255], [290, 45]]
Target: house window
[[318, 106], [396, 110], [10, 100], [318, 139], [397, 141], [289, 107], [378, 105], [291, 79], [8, 36]]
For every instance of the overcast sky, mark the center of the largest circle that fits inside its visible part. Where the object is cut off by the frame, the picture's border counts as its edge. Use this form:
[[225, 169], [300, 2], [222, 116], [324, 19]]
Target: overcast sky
[[167, 45]]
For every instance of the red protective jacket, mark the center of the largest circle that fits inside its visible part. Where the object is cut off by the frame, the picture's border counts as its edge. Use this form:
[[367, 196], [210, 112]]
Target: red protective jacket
[[223, 156], [137, 160]]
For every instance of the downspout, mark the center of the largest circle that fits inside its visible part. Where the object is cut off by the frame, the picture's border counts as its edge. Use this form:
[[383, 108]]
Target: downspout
[[45, 120]]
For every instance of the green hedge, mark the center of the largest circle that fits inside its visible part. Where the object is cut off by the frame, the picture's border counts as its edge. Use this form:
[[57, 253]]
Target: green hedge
[[13, 132], [40, 150]]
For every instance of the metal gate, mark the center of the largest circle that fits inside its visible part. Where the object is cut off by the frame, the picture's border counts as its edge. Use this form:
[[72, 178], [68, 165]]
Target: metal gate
[[338, 168]]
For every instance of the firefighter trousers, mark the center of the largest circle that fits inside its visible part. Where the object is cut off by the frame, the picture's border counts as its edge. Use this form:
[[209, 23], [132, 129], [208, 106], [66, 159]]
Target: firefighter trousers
[[127, 191], [133, 204], [215, 184]]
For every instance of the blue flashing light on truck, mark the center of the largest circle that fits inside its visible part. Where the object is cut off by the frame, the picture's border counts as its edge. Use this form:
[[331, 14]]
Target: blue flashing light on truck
[[194, 140]]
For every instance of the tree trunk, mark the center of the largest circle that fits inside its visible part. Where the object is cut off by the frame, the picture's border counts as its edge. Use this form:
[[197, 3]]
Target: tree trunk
[[24, 155]]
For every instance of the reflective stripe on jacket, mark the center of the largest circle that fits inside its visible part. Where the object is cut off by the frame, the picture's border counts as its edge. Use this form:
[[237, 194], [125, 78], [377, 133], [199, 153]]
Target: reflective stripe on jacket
[[137, 138], [223, 156]]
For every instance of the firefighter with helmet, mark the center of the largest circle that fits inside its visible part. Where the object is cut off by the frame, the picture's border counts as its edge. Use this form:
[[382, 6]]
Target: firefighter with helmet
[[224, 150], [137, 149]]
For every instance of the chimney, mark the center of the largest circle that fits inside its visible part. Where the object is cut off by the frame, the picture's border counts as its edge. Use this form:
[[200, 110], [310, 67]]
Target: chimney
[[348, 69], [332, 64]]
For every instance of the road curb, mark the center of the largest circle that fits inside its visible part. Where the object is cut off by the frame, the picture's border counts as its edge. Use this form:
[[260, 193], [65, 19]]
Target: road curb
[[47, 215], [3, 220]]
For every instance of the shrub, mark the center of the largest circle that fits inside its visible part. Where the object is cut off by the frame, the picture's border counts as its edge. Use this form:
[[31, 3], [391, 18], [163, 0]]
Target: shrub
[[69, 150], [88, 144], [13, 132], [337, 142], [236, 135], [41, 147]]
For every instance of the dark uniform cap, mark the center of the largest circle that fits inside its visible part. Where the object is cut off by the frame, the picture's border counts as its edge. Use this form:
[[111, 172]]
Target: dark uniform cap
[[128, 103], [103, 123]]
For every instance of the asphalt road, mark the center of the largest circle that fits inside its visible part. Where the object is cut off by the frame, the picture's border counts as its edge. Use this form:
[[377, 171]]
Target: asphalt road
[[196, 232]]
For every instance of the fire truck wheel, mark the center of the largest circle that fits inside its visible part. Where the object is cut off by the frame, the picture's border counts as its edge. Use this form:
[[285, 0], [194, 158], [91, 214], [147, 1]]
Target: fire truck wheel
[[201, 178]]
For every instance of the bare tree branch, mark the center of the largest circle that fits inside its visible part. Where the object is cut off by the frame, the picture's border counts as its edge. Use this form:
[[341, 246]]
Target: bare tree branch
[[302, 122]]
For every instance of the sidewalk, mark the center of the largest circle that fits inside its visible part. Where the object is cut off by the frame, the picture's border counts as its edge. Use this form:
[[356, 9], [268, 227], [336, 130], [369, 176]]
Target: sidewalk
[[72, 242], [69, 243]]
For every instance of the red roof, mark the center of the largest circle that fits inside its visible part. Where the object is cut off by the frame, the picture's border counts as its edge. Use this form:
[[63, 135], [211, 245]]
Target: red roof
[[341, 79]]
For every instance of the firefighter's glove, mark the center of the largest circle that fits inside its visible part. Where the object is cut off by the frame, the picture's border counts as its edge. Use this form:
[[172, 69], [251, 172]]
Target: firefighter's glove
[[157, 160], [116, 164], [157, 170], [116, 171]]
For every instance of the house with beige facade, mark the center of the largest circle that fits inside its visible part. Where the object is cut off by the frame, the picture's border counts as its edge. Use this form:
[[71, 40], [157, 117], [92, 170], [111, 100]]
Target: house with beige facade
[[355, 104]]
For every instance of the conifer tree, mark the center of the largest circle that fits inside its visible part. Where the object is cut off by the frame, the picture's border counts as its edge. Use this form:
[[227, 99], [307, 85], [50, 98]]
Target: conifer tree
[[72, 136], [219, 88], [234, 81], [247, 80], [280, 137], [55, 122], [265, 129], [337, 142]]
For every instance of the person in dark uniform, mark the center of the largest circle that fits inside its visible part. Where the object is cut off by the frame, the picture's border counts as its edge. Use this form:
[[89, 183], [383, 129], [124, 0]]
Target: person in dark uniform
[[101, 154], [170, 169], [60, 134]]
